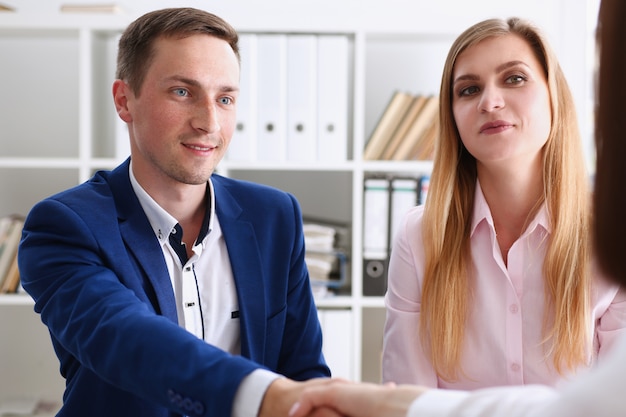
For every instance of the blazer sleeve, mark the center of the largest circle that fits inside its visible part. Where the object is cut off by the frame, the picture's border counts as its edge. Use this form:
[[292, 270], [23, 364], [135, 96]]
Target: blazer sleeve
[[68, 264]]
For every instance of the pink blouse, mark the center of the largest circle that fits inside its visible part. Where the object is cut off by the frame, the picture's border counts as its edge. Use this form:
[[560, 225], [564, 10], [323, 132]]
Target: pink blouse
[[504, 327]]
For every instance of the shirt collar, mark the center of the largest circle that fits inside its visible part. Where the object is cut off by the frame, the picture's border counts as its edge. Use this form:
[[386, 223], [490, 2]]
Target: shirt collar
[[161, 221], [482, 212]]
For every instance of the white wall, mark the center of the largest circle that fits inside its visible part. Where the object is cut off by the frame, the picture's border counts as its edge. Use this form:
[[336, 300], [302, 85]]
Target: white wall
[[565, 22]]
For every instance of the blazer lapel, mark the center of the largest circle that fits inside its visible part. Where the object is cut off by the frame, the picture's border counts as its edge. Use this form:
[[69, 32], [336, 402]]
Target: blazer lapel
[[247, 267], [139, 237]]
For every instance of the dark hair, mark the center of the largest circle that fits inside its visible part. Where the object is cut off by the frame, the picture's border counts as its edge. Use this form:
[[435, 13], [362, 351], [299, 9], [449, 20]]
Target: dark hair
[[136, 44], [610, 132]]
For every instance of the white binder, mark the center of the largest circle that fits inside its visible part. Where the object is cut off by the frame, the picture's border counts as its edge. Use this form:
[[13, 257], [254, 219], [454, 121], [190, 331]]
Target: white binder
[[333, 90], [404, 195], [375, 217], [302, 98], [376, 200], [244, 142], [271, 97]]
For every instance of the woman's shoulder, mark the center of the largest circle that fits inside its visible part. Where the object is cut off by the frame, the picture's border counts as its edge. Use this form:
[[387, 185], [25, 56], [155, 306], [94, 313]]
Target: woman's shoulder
[[411, 223]]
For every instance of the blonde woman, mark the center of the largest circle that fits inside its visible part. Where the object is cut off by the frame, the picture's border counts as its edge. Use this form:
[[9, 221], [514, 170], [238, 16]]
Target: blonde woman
[[598, 394], [492, 281]]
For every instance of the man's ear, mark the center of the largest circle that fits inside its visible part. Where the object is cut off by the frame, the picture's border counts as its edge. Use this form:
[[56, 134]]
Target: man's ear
[[121, 93]]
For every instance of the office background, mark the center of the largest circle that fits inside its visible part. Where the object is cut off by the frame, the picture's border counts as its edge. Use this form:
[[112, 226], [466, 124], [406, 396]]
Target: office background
[[57, 126]]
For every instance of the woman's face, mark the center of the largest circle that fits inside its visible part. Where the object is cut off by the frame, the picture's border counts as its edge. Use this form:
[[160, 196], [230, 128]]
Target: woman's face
[[500, 102]]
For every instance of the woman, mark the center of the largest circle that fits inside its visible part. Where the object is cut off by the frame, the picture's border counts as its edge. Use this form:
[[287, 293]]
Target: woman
[[598, 394], [491, 282]]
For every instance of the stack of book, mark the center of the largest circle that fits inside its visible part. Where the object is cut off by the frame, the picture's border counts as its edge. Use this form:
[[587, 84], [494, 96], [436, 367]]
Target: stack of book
[[325, 257], [407, 129], [319, 241], [10, 235]]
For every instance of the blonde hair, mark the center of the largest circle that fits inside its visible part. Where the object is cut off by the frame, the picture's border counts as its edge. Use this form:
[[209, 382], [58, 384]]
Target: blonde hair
[[448, 212]]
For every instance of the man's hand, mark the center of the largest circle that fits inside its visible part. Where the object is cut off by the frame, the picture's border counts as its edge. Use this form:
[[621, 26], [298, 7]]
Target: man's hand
[[356, 400], [283, 393]]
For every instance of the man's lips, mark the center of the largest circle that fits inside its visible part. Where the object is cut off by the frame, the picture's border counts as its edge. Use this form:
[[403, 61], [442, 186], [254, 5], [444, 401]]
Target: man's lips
[[495, 127], [202, 148]]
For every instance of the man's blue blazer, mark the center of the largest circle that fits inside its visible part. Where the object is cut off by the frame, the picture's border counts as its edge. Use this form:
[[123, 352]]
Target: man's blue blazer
[[94, 267]]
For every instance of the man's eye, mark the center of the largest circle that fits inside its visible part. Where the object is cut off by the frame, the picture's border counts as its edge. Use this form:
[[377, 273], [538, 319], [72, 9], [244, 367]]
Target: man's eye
[[181, 92], [226, 100]]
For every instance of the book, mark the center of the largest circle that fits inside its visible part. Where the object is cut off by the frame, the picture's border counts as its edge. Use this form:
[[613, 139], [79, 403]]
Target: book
[[424, 148], [418, 128], [417, 103], [387, 124], [9, 242], [12, 278], [326, 246]]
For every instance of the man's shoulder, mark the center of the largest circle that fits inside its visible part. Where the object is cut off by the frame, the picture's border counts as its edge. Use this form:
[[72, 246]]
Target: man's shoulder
[[238, 186], [96, 196], [234, 194]]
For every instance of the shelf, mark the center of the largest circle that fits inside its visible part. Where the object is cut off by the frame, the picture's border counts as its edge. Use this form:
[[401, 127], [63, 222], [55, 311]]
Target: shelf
[[347, 166], [416, 167], [16, 300], [27, 162], [336, 301]]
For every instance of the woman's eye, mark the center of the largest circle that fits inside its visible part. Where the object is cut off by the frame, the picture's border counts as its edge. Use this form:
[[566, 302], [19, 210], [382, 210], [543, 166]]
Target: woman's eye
[[468, 91], [516, 79]]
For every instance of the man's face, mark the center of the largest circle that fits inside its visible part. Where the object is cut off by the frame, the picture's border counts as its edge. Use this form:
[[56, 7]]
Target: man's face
[[183, 117]]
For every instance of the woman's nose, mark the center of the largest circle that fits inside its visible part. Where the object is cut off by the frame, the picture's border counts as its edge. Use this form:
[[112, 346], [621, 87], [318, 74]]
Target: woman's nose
[[491, 99]]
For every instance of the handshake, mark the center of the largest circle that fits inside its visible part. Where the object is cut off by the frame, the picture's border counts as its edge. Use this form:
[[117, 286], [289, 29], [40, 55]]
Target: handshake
[[334, 397]]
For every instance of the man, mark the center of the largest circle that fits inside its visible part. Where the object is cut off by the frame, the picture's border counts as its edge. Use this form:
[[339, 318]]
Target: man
[[168, 289]]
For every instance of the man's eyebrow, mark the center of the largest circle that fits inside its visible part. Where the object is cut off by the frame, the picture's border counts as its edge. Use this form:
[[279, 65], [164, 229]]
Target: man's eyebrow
[[195, 83]]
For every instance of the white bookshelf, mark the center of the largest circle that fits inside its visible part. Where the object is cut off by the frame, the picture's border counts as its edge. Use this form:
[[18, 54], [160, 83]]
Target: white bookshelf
[[58, 125]]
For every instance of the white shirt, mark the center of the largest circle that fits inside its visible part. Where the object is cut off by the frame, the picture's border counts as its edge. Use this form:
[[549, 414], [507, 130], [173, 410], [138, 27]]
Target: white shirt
[[206, 306]]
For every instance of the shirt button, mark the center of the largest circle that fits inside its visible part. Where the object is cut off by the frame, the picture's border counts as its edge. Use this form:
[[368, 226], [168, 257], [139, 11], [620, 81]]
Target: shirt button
[[513, 308], [515, 367]]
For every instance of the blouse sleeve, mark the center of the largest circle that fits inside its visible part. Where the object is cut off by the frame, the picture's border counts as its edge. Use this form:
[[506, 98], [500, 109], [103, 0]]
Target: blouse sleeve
[[404, 361]]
